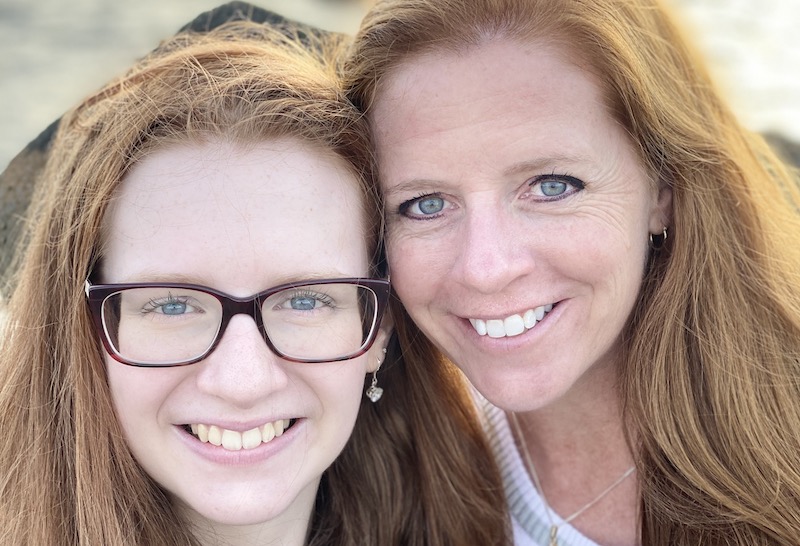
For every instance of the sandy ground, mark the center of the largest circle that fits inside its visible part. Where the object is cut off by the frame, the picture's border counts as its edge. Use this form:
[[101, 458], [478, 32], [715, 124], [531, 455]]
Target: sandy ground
[[53, 53]]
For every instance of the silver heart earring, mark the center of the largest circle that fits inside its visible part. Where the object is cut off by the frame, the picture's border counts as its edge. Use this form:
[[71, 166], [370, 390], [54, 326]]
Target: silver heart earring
[[374, 392]]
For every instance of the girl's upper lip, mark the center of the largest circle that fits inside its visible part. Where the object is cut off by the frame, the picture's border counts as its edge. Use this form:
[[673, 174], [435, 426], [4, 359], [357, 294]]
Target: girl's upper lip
[[235, 425]]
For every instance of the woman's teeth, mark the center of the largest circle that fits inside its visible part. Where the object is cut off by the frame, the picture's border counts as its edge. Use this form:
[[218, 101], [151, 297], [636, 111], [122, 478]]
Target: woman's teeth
[[233, 440], [511, 326]]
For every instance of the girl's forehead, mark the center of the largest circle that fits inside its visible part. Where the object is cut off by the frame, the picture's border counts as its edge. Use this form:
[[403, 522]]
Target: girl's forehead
[[279, 208]]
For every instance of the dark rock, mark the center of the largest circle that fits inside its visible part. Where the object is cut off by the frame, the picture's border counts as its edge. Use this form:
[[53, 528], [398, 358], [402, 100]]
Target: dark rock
[[788, 150], [18, 180]]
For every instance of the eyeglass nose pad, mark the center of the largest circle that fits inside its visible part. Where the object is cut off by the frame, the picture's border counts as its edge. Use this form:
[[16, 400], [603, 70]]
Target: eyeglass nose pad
[[252, 309]]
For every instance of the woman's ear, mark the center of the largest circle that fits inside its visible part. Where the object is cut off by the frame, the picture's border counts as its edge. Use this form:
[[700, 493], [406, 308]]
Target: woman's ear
[[661, 214]]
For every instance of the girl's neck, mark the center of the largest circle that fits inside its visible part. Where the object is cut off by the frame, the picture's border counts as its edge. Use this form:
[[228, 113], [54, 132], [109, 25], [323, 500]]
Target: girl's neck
[[287, 529], [252, 535]]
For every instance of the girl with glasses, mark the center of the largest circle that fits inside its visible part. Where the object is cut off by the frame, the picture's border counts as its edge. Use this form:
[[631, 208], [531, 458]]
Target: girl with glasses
[[196, 317]]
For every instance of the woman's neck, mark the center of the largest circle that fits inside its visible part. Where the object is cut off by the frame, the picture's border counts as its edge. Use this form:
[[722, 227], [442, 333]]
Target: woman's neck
[[579, 448]]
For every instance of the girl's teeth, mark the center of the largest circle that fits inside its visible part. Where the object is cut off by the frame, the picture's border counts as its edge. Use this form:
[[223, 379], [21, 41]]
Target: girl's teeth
[[215, 435], [233, 440], [267, 432], [251, 439], [202, 433]]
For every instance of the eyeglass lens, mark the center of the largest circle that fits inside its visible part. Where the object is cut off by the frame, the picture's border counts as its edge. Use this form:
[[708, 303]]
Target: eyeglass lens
[[150, 325]]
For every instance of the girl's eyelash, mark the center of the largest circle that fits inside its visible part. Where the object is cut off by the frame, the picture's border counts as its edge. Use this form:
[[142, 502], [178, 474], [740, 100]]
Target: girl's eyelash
[[154, 304], [324, 298]]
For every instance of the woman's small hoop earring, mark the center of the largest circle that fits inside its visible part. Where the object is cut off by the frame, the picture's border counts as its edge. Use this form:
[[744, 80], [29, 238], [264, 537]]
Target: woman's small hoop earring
[[374, 392], [657, 241]]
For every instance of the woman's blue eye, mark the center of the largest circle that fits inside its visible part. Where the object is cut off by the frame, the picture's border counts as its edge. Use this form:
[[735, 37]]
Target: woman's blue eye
[[552, 188], [424, 206], [555, 186], [430, 205]]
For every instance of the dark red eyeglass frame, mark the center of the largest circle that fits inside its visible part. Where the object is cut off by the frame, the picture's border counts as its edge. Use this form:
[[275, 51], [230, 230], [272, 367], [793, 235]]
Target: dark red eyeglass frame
[[96, 294]]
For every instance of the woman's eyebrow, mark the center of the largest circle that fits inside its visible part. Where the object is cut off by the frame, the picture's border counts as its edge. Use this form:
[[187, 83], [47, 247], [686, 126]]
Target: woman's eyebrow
[[545, 163], [415, 185]]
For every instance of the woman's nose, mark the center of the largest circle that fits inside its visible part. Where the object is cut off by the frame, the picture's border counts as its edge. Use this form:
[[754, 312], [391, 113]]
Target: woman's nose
[[492, 251]]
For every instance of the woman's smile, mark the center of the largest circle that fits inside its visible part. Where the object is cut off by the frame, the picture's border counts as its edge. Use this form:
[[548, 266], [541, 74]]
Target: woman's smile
[[512, 325], [537, 247]]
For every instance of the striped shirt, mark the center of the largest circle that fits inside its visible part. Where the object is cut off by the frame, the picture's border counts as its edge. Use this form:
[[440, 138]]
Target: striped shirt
[[529, 515]]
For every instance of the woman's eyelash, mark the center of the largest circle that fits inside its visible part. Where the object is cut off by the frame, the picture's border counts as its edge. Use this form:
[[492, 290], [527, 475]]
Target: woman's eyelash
[[569, 179], [554, 187], [561, 186]]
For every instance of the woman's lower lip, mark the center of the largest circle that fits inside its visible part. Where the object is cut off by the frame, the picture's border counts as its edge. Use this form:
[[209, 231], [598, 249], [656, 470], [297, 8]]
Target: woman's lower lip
[[219, 455]]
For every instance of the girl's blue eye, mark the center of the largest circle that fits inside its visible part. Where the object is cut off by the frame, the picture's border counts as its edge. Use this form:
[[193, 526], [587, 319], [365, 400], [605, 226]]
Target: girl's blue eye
[[303, 303], [174, 308], [171, 306], [305, 300]]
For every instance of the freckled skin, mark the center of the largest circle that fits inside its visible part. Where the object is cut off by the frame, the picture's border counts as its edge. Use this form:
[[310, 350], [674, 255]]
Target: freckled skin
[[509, 186], [240, 220]]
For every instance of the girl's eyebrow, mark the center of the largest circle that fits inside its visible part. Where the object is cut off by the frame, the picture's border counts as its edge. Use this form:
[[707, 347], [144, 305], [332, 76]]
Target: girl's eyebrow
[[149, 276], [154, 276]]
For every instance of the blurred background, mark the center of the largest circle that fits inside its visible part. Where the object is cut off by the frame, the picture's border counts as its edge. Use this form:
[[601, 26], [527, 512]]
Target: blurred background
[[53, 53]]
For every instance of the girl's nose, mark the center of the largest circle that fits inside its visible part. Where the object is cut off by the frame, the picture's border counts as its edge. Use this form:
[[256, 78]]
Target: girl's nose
[[242, 369]]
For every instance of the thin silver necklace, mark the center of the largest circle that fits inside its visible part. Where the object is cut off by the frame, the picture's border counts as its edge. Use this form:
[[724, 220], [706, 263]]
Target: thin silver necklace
[[529, 462]]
